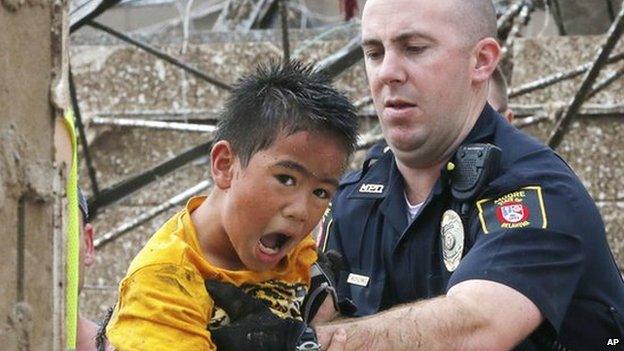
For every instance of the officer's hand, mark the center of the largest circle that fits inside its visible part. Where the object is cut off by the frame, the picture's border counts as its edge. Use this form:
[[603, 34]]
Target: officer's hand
[[338, 341], [252, 324]]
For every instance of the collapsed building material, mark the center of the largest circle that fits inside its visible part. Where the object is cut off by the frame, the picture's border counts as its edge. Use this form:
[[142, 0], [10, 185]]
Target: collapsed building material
[[614, 34]]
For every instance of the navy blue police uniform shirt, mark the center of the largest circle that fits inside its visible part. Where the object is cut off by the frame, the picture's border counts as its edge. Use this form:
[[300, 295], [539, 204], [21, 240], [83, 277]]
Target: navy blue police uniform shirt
[[533, 228]]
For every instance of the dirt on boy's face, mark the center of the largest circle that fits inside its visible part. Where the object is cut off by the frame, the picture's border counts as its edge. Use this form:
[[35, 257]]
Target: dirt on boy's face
[[280, 196]]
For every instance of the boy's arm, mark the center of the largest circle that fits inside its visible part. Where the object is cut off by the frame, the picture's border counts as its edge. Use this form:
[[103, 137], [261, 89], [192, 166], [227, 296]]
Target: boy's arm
[[161, 307]]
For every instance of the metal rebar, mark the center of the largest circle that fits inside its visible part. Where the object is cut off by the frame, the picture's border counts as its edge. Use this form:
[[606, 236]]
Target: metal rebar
[[556, 10], [368, 140], [82, 135], [367, 100], [336, 63], [128, 186], [172, 202], [594, 110], [558, 77], [522, 20], [529, 121], [605, 83], [532, 111], [77, 16], [614, 34], [166, 115], [161, 55], [510, 14], [284, 17], [130, 122]]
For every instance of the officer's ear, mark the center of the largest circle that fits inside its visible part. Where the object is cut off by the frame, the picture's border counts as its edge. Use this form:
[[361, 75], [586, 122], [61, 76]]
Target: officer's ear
[[509, 115], [222, 164], [486, 55]]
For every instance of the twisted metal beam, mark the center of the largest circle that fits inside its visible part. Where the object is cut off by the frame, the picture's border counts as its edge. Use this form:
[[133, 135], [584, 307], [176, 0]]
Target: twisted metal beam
[[161, 55], [171, 203], [284, 20], [558, 77], [523, 19], [131, 122], [527, 112], [82, 135], [510, 14], [128, 186], [605, 83], [614, 34], [344, 58]]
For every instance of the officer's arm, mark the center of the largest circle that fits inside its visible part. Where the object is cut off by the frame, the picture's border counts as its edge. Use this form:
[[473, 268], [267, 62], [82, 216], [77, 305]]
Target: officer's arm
[[474, 315]]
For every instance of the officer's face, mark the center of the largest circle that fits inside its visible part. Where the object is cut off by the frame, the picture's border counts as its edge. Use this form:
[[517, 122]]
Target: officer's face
[[417, 63], [278, 198]]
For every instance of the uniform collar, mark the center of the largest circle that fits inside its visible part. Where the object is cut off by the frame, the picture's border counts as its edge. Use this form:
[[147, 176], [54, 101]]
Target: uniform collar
[[382, 176], [375, 183], [484, 127]]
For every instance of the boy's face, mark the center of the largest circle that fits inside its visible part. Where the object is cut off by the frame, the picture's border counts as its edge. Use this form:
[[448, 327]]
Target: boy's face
[[274, 202]]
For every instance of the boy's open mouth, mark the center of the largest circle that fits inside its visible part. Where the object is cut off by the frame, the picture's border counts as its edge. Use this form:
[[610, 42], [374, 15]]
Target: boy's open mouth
[[271, 244]]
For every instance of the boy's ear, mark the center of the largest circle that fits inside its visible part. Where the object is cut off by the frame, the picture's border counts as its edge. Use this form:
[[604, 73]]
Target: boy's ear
[[487, 54], [222, 160]]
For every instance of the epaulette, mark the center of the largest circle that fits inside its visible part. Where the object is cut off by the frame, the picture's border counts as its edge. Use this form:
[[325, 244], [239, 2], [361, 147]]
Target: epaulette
[[373, 154]]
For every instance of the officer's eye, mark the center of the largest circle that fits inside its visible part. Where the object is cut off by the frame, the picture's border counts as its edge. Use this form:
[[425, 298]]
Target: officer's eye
[[321, 193], [373, 53], [285, 179], [416, 49]]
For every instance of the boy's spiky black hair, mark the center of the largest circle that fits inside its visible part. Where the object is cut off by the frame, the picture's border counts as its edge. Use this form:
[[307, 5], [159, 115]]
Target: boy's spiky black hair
[[284, 98]]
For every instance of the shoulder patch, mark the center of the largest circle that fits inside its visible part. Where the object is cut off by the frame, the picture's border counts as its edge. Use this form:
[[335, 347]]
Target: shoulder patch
[[518, 209]]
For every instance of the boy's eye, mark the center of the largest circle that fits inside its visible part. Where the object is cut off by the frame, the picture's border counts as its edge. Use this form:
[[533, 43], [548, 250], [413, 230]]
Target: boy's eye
[[321, 193], [285, 179]]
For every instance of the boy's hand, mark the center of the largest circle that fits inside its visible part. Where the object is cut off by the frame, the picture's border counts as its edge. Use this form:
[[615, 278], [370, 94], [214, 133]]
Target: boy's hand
[[322, 303], [252, 324], [332, 263]]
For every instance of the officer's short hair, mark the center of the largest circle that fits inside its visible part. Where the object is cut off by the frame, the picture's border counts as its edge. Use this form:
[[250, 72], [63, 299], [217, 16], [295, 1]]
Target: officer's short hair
[[284, 97], [477, 18]]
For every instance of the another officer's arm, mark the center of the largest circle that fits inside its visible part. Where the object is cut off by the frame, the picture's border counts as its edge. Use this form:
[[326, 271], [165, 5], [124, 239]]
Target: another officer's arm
[[474, 315]]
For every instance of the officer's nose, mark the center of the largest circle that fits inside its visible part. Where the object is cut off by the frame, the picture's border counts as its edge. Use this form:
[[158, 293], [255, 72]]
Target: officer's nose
[[391, 70]]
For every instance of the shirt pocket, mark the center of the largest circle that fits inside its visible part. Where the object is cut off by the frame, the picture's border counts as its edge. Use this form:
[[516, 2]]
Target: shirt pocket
[[366, 297]]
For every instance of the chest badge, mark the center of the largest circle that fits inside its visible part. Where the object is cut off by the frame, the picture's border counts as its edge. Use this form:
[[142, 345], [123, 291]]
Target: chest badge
[[452, 236]]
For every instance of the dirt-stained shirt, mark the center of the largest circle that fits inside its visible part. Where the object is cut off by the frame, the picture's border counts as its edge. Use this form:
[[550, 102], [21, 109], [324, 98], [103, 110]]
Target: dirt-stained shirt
[[163, 303]]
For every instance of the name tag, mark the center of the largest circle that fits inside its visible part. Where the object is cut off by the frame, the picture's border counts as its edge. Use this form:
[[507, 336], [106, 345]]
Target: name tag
[[372, 188], [356, 279]]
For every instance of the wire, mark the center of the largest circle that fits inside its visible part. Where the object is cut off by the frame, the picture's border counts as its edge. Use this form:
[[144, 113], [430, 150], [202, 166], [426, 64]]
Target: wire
[[305, 45]]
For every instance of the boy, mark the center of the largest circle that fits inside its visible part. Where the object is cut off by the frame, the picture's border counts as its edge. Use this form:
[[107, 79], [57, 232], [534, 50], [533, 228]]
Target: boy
[[282, 144]]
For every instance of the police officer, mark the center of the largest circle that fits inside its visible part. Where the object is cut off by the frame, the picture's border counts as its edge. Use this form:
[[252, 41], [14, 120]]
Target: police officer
[[466, 233]]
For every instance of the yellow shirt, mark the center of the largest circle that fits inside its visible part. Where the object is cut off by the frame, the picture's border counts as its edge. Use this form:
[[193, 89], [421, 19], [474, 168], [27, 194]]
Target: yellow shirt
[[163, 303]]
